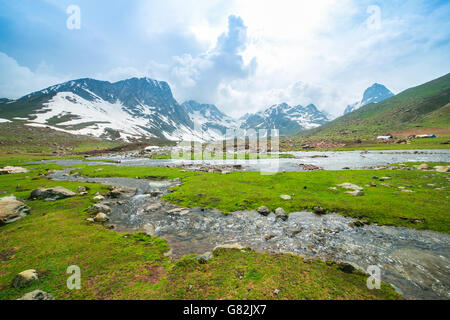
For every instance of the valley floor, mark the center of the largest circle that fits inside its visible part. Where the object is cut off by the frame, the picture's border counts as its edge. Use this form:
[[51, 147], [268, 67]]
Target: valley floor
[[137, 266]]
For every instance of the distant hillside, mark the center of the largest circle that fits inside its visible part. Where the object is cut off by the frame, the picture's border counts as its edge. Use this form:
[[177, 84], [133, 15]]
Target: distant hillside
[[413, 110]]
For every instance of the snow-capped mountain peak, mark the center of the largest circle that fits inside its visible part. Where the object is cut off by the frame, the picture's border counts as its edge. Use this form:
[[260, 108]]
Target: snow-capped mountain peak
[[374, 94], [287, 119]]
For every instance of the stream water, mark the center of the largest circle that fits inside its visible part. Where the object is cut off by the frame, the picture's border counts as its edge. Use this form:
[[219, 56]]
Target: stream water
[[416, 263], [329, 160]]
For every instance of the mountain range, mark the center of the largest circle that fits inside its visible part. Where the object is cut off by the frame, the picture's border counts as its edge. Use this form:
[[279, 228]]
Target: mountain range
[[136, 108], [286, 118]]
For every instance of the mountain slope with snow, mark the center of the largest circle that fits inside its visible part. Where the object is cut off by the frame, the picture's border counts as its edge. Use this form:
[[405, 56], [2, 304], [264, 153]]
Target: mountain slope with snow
[[374, 94], [209, 118], [285, 118], [128, 109]]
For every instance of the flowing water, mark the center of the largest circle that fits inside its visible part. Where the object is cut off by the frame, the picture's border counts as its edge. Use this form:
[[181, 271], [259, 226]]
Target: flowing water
[[416, 263], [328, 160]]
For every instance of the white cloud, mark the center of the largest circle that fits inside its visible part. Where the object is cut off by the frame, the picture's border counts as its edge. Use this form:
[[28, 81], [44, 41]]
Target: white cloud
[[17, 81]]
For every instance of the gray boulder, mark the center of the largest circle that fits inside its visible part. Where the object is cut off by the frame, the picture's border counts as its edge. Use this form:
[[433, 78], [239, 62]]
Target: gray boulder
[[37, 295], [98, 207], [12, 210], [119, 192], [281, 214], [24, 278], [264, 211], [101, 217], [52, 194]]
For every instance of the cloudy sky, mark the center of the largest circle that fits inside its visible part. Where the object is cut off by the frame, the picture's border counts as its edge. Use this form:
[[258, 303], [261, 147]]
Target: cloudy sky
[[242, 55]]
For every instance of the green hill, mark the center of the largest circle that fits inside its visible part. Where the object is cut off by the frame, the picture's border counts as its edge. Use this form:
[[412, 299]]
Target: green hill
[[422, 109]]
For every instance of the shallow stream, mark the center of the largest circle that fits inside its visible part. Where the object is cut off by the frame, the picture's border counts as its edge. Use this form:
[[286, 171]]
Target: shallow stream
[[416, 263]]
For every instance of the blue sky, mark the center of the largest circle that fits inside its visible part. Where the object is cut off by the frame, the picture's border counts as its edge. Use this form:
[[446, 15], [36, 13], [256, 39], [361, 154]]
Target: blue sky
[[240, 55]]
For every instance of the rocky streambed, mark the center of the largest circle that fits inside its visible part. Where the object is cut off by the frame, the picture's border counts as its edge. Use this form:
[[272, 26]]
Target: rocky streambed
[[416, 263]]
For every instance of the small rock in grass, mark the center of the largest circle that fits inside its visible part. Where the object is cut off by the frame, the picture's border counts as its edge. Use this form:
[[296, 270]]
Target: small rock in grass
[[386, 185], [350, 186], [37, 295], [286, 197], [356, 193], [276, 292], [81, 189], [442, 168], [385, 178], [422, 166], [263, 210], [24, 278]]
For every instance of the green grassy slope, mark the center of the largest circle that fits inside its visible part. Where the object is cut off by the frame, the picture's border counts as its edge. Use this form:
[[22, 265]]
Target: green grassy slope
[[22, 107], [17, 137], [425, 106]]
